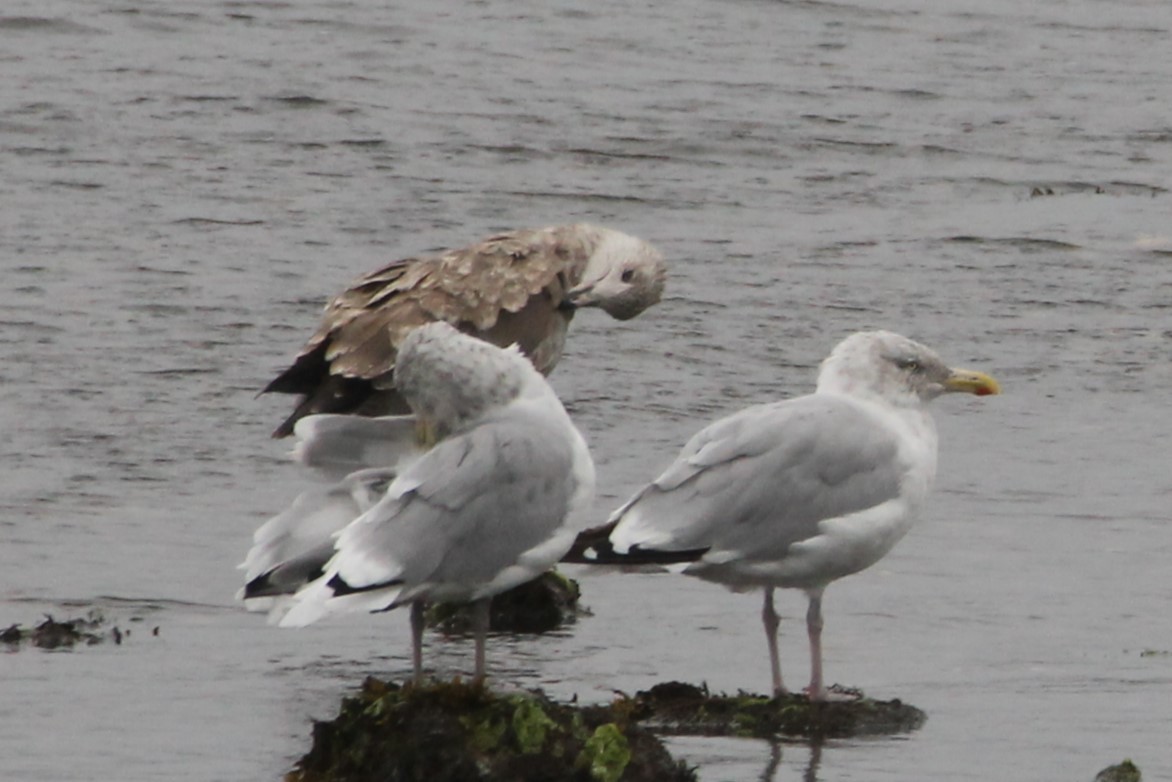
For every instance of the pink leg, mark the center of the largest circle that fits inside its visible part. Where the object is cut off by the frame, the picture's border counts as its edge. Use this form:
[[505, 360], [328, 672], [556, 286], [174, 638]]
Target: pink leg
[[817, 689], [772, 621]]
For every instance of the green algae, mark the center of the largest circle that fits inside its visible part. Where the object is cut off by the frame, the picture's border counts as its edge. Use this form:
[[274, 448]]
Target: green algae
[[676, 708], [486, 734], [530, 725], [452, 731], [538, 606], [607, 753]]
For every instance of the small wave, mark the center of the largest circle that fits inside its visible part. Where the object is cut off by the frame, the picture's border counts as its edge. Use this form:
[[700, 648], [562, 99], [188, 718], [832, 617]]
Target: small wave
[[45, 24]]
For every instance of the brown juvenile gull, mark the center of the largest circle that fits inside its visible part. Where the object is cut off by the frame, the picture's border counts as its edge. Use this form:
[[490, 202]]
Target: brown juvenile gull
[[487, 508], [801, 492], [520, 287]]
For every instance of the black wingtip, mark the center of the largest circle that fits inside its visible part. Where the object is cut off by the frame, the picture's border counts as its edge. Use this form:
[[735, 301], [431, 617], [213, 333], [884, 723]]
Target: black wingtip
[[262, 586], [587, 544], [286, 427], [340, 587], [593, 547]]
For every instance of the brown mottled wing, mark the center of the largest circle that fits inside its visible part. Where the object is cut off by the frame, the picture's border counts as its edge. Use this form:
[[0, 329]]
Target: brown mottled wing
[[506, 289]]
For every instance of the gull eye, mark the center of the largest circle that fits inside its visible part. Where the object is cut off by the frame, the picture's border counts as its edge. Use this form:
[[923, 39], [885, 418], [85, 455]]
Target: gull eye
[[908, 363], [628, 275]]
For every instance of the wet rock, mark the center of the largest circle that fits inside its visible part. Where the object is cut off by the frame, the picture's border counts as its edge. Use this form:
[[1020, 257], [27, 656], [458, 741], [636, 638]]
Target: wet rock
[[677, 708], [12, 635], [51, 634], [454, 732], [1123, 772], [543, 604]]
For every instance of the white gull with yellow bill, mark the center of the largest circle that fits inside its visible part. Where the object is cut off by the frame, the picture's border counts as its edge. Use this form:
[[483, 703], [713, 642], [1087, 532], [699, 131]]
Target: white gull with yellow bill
[[800, 492]]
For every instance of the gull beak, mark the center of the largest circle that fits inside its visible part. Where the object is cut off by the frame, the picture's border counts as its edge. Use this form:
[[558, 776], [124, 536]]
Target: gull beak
[[580, 296], [970, 381]]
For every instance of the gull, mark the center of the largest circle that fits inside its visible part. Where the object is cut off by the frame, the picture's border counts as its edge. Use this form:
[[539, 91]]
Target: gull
[[517, 287], [484, 501], [797, 493]]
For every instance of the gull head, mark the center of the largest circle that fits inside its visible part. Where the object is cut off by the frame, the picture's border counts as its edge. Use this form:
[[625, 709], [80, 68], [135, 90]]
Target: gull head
[[451, 380], [623, 276], [896, 370]]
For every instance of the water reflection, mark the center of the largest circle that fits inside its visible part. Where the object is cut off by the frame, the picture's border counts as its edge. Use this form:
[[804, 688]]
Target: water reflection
[[770, 772], [776, 751]]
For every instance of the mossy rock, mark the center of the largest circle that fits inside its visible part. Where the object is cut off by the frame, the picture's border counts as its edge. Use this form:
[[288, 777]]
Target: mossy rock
[[456, 732], [538, 606], [51, 634], [1123, 772], [676, 708]]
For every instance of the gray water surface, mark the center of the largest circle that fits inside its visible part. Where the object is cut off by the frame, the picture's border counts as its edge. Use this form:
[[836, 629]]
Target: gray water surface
[[183, 184]]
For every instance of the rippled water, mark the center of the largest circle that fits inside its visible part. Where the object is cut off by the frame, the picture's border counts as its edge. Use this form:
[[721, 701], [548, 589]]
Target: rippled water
[[184, 184]]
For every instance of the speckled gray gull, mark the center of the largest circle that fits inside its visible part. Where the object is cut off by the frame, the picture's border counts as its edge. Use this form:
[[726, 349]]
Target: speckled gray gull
[[520, 287], [489, 506], [797, 493]]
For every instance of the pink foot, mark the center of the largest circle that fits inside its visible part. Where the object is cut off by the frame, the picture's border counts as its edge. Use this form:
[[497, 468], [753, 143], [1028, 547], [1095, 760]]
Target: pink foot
[[836, 693]]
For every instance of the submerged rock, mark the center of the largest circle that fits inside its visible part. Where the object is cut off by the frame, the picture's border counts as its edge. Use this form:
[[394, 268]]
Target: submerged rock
[[455, 732], [543, 604], [1123, 772], [51, 634], [677, 708]]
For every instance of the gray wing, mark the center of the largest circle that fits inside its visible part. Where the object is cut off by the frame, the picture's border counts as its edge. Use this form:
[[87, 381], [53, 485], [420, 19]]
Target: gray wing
[[337, 445], [291, 548], [363, 456], [762, 479], [465, 511]]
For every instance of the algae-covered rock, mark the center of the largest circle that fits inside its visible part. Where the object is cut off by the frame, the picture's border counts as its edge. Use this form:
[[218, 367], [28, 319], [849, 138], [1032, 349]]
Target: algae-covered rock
[[1123, 772], [51, 634], [455, 732], [677, 708], [538, 606]]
